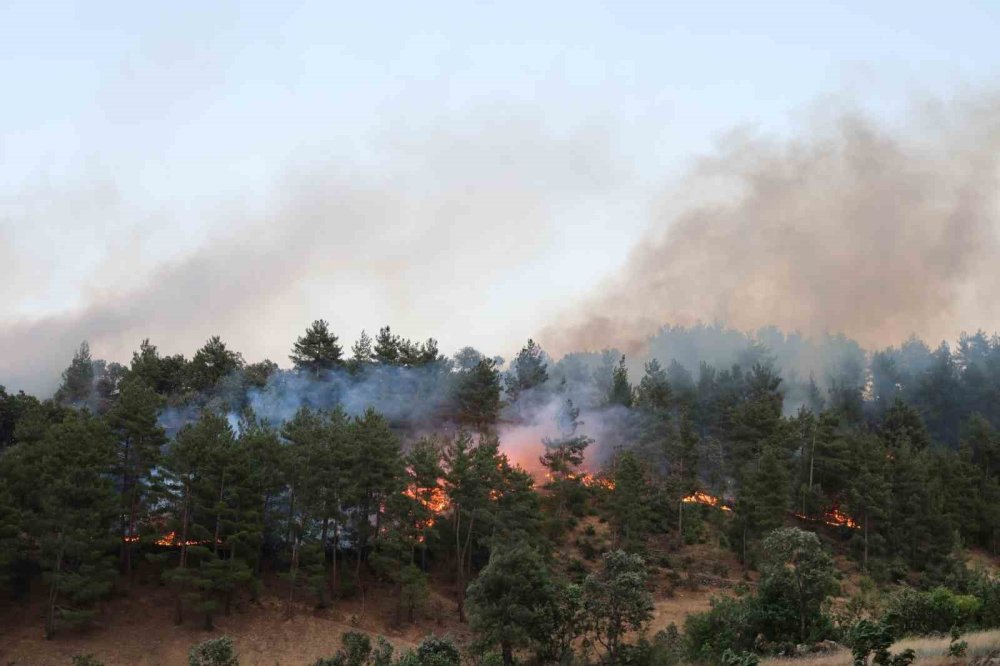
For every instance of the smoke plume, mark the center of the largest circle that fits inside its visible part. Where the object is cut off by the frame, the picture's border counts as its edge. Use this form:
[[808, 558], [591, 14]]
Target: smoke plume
[[853, 226]]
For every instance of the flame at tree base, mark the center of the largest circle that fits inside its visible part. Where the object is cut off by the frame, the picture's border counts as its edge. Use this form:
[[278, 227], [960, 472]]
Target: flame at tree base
[[705, 499], [833, 517]]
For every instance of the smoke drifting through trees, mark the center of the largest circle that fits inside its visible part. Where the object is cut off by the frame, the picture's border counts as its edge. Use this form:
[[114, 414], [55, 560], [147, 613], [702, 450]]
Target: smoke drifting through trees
[[853, 226]]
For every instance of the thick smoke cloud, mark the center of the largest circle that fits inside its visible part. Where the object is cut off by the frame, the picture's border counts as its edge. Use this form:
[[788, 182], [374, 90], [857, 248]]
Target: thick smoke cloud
[[853, 226], [423, 236]]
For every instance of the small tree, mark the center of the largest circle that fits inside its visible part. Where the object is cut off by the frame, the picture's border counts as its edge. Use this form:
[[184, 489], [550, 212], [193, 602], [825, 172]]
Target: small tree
[[795, 568], [509, 603], [616, 602], [214, 652]]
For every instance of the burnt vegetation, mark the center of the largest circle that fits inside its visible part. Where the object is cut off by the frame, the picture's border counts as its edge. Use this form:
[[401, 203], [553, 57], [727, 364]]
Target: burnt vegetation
[[391, 469]]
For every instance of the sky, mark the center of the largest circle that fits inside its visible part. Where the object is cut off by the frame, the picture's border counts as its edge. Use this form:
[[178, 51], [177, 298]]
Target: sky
[[468, 171]]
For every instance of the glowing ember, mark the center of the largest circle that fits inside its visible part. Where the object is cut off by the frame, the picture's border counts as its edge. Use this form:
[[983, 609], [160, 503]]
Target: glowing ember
[[170, 540], [834, 518], [706, 499], [587, 479]]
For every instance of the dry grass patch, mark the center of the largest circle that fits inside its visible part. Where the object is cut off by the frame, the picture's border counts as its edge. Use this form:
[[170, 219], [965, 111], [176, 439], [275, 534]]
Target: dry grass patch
[[931, 651]]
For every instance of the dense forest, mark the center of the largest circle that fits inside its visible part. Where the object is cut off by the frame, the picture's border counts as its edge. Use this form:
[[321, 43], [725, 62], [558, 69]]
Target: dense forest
[[389, 465]]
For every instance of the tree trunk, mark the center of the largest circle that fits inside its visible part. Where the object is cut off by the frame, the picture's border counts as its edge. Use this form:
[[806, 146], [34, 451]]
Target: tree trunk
[[292, 576], [185, 514], [260, 549], [218, 516], [334, 583], [508, 653], [459, 566], [864, 561], [132, 514], [50, 616]]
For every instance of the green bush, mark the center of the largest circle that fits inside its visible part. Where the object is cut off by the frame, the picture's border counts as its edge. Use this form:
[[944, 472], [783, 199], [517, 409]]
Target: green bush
[[912, 612], [730, 624], [987, 590], [868, 639], [957, 648], [434, 651], [214, 652], [86, 660], [730, 658]]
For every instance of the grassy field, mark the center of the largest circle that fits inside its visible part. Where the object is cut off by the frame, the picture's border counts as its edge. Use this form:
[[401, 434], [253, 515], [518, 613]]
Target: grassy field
[[931, 651]]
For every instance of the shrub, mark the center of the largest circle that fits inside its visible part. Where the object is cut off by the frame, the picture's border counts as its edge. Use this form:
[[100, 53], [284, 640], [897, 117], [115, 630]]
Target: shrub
[[910, 611], [214, 652], [86, 660], [987, 590], [957, 648], [434, 651], [873, 639], [729, 625], [730, 658]]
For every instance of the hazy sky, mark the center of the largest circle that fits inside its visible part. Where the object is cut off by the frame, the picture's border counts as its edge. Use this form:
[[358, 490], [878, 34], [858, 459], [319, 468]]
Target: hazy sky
[[460, 170]]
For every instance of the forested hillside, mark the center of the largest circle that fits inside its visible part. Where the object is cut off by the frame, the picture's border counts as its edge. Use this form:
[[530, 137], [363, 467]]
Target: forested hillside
[[391, 469]]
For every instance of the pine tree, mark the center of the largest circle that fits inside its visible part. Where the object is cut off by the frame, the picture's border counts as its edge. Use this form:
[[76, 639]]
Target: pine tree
[[621, 390], [386, 349], [528, 371], [213, 515], [868, 491], [472, 473], [211, 363], [762, 500], [361, 354], [477, 396], [68, 505], [133, 419], [630, 503], [78, 379], [317, 351], [266, 455], [376, 471], [11, 539], [562, 460], [510, 601]]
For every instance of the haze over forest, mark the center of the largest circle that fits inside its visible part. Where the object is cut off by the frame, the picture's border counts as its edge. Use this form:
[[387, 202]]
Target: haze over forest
[[440, 334]]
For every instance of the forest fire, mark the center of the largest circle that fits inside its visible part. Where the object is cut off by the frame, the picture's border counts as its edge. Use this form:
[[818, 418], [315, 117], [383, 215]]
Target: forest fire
[[168, 540], [834, 517], [586, 479], [591, 481], [699, 497], [432, 499]]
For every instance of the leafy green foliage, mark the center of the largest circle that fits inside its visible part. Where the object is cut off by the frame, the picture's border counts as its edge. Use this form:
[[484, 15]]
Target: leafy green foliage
[[617, 602], [509, 601], [214, 652], [870, 643]]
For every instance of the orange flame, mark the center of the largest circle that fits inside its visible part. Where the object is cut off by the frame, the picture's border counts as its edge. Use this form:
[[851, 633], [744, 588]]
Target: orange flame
[[433, 499], [170, 540], [699, 497], [834, 517], [587, 479]]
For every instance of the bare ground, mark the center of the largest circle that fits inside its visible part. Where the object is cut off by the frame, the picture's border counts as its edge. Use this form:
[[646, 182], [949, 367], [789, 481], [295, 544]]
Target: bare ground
[[138, 630]]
